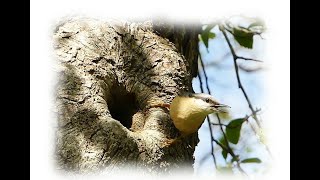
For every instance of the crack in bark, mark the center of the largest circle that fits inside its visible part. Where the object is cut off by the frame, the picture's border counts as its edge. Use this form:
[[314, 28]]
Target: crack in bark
[[147, 65]]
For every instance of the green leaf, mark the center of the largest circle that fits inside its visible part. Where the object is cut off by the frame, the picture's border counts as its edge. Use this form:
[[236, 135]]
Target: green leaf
[[223, 141], [251, 160], [212, 35], [243, 37], [206, 34], [233, 130], [224, 153]]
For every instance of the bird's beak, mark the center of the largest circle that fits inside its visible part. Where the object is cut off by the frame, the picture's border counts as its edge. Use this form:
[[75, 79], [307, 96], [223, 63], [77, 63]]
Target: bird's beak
[[220, 107]]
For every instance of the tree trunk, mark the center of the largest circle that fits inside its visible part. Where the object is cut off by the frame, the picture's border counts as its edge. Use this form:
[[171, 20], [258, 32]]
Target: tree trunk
[[110, 74]]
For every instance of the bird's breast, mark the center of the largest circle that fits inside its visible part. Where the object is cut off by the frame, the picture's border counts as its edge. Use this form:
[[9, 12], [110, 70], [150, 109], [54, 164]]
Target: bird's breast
[[186, 117]]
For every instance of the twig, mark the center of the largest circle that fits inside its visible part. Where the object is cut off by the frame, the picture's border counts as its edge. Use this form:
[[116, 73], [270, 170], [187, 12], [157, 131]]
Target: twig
[[200, 80], [232, 51], [205, 75], [228, 149], [223, 147], [208, 120], [225, 125], [235, 57], [232, 154], [212, 148], [254, 33], [217, 124], [248, 59]]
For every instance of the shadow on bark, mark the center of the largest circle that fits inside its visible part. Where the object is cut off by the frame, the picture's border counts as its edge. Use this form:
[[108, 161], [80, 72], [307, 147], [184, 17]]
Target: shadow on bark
[[110, 76]]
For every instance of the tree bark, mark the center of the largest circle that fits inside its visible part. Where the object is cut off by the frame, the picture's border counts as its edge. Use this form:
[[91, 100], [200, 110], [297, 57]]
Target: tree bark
[[110, 74]]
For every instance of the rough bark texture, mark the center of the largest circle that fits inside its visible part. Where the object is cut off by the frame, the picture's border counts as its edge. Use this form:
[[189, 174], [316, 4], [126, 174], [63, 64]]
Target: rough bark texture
[[110, 73]]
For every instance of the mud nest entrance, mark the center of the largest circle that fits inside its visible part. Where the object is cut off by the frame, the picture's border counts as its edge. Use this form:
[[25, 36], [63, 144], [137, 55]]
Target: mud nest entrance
[[122, 105]]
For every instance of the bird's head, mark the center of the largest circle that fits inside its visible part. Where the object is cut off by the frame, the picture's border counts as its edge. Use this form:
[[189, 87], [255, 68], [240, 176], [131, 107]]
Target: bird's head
[[207, 103], [189, 110]]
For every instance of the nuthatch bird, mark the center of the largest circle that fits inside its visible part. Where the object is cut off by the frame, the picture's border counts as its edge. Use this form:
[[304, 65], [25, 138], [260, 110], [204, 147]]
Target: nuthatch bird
[[189, 110]]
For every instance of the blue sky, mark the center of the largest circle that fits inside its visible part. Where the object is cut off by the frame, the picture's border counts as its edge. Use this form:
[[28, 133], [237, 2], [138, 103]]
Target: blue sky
[[223, 85]]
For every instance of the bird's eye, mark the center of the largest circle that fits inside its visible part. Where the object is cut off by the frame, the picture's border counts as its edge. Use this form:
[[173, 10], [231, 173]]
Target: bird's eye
[[207, 100]]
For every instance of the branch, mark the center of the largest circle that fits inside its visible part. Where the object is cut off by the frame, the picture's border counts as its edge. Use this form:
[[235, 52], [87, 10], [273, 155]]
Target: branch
[[217, 124], [205, 75], [212, 138], [208, 120], [225, 125], [200, 80], [235, 57], [254, 33], [227, 148], [223, 147], [248, 59]]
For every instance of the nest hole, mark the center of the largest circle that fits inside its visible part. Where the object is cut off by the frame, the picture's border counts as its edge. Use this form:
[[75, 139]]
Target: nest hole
[[122, 105]]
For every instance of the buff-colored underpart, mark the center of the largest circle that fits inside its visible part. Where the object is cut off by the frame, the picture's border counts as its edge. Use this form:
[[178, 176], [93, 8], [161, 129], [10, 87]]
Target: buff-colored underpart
[[186, 117]]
